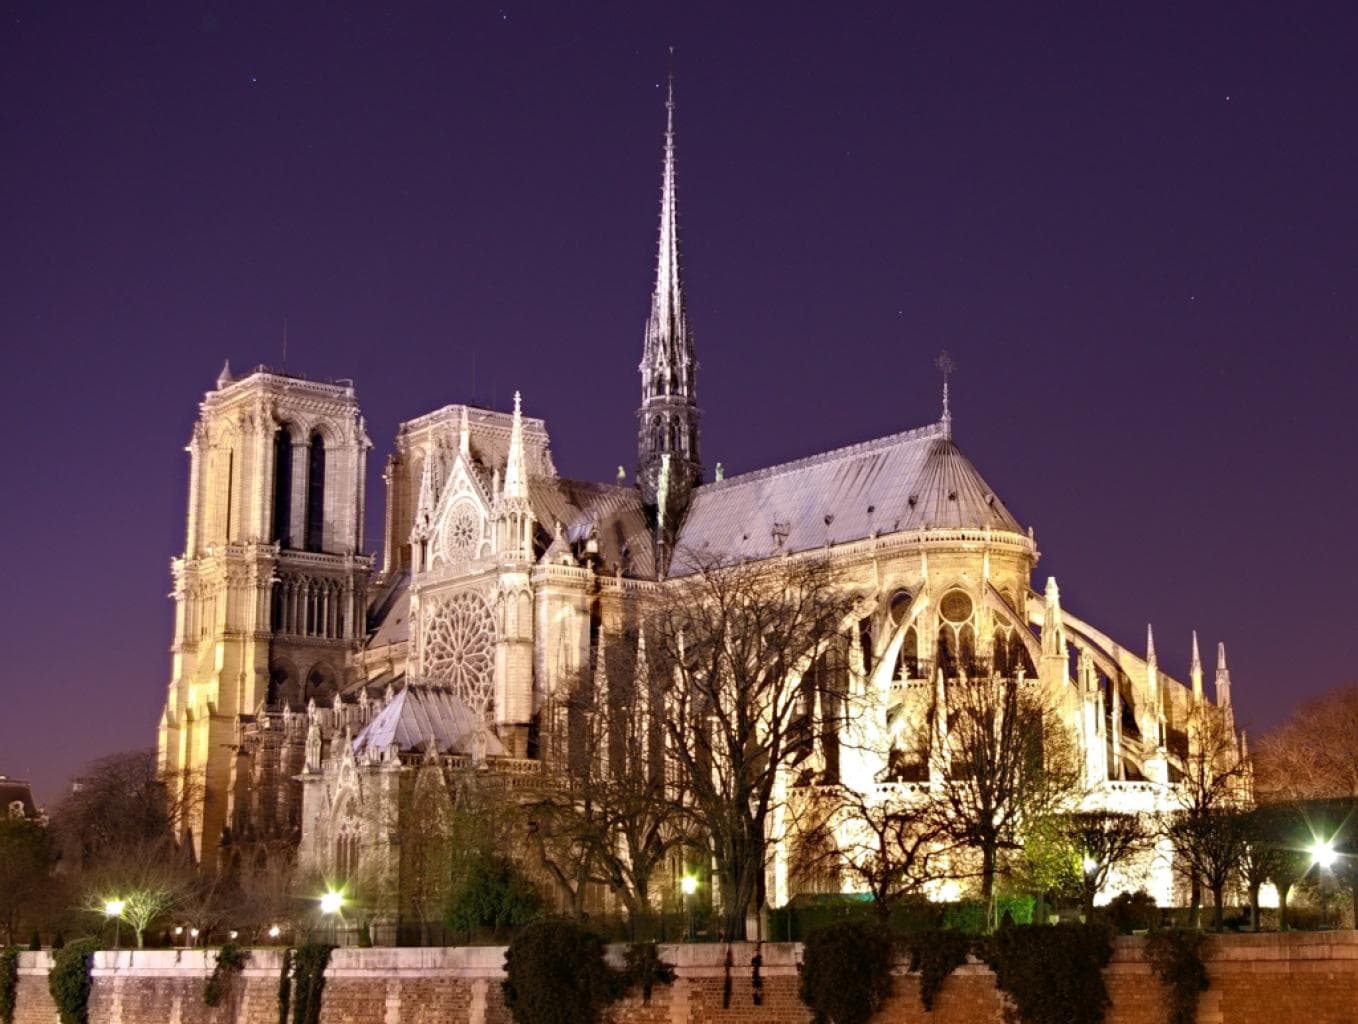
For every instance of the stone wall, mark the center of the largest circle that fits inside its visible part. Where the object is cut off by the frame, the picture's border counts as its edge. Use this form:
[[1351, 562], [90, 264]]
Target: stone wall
[[1255, 979]]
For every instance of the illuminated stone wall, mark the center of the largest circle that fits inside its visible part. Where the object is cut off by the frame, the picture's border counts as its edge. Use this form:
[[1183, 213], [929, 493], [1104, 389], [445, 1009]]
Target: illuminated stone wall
[[1268, 979]]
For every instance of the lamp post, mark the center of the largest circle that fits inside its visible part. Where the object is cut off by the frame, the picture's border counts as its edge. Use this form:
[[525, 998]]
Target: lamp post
[[114, 909], [332, 905], [1323, 857], [689, 885]]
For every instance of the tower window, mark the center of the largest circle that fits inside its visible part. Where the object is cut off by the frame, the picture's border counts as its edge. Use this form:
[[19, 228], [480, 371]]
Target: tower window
[[315, 494], [282, 488]]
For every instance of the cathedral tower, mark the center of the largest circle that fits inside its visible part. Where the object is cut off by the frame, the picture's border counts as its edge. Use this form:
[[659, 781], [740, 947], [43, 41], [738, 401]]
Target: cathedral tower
[[668, 464], [270, 593]]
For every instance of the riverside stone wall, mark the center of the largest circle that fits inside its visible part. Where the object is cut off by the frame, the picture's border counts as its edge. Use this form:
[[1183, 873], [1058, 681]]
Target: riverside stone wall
[[1255, 979]]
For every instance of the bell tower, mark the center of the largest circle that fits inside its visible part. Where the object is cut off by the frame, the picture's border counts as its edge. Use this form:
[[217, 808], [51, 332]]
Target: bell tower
[[270, 592]]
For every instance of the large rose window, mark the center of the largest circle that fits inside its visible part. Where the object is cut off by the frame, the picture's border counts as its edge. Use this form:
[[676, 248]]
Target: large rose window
[[461, 531], [459, 647]]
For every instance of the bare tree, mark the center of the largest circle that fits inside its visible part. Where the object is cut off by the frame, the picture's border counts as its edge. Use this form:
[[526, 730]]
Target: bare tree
[[1001, 757], [1102, 840], [1210, 845], [605, 814], [889, 844], [26, 883], [1314, 754], [746, 660], [148, 879]]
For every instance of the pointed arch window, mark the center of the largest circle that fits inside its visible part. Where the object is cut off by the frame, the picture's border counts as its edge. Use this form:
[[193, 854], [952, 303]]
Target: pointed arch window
[[315, 494], [282, 488]]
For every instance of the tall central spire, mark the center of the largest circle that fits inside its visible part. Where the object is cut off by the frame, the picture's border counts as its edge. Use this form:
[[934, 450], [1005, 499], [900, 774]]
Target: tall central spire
[[668, 464]]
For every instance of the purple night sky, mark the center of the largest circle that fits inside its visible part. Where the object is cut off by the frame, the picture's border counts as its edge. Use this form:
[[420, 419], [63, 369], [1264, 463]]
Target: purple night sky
[[1136, 232]]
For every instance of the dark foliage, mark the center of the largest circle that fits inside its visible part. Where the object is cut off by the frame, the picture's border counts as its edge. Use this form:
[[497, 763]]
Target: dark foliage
[[1176, 959], [492, 893], [35, 943], [308, 980], [846, 972], [69, 980], [9, 984], [556, 974], [230, 962], [936, 954], [1053, 973], [285, 987], [1132, 911], [644, 969]]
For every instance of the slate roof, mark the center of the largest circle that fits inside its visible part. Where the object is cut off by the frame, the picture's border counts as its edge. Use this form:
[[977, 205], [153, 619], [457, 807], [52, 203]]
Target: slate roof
[[892, 484], [421, 712], [624, 537]]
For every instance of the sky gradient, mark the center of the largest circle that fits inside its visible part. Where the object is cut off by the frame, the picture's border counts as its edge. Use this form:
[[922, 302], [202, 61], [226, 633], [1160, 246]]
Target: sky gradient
[[1134, 228]]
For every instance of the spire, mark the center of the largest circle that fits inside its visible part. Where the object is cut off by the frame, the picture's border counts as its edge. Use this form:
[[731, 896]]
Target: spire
[[1195, 671], [667, 422], [1150, 645], [464, 437], [224, 378], [516, 476], [1223, 683], [946, 366]]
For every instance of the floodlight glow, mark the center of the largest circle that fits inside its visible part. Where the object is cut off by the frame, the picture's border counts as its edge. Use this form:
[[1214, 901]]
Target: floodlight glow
[[689, 884], [332, 902], [1322, 853], [114, 908], [275, 931], [1089, 865]]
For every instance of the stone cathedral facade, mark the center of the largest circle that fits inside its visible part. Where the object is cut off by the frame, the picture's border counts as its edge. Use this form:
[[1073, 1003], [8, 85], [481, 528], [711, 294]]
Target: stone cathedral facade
[[311, 686]]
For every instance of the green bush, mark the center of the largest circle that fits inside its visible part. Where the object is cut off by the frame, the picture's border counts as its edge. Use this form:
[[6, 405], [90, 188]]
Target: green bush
[[1053, 973], [936, 954], [1128, 912], [308, 979], [230, 962], [644, 970], [846, 972], [69, 980], [1176, 960], [9, 984], [556, 974], [492, 893]]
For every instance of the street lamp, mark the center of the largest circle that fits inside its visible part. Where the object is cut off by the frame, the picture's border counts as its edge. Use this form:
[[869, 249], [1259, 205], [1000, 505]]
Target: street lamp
[[114, 909], [332, 904], [1323, 856], [275, 931], [688, 885]]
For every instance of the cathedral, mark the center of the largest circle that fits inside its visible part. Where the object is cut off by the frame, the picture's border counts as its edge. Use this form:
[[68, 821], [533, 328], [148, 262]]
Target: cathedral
[[310, 683]]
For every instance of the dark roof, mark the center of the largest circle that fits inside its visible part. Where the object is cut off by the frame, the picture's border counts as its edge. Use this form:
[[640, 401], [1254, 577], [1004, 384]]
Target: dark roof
[[616, 511], [18, 791]]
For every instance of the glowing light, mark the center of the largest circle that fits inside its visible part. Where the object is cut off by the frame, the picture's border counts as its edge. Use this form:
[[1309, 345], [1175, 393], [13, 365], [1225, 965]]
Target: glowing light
[[234, 934], [179, 929], [689, 884], [275, 931], [1322, 853], [193, 932], [114, 908], [332, 902], [1090, 864]]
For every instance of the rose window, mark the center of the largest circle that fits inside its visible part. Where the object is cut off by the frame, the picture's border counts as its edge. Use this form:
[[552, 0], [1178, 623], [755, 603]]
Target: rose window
[[460, 533], [459, 647]]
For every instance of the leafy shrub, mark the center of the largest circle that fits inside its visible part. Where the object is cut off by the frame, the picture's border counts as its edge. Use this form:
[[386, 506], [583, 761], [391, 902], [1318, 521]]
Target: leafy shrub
[[1052, 973], [1128, 912], [35, 943], [846, 972], [230, 962], [644, 969], [492, 893], [1176, 959], [556, 974], [936, 954], [308, 979], [69, 980], [9, 984]]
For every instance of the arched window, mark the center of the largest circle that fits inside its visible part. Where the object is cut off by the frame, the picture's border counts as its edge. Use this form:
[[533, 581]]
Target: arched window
[[230, 492], [282, 488], [315, 493], [966, 642], [909, 659], [947, 652]]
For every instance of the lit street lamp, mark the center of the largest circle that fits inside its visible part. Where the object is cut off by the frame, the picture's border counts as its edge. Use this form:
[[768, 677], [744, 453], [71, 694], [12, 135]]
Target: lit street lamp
[[332, 905], [114, 909], [1323, 856], [688, 885]]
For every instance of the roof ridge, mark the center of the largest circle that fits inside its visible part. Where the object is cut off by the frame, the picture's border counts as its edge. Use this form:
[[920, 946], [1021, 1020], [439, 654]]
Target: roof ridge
[[830, 455]]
